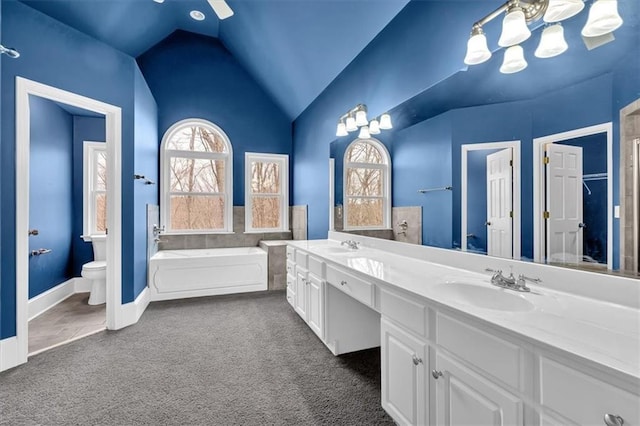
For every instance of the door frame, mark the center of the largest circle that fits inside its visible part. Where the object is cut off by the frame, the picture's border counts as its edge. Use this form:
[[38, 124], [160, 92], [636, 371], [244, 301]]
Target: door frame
[[113, 122], [539, 191], [516, 199]]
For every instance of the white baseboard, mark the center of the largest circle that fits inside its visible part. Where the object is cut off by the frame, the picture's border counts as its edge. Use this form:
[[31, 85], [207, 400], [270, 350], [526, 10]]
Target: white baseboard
[[9, 353], [131, 312], [50, 298]]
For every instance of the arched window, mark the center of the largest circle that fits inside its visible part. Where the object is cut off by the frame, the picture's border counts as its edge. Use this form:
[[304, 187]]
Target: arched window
[[196, 194], [367, 188]]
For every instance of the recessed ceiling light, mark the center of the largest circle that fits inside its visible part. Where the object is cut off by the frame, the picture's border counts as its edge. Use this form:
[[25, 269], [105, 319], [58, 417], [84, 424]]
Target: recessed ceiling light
[[159, 1], [197, 15]]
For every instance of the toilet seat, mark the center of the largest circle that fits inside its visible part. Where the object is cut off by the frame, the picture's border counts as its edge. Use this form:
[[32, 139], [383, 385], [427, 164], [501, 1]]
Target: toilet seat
[[95, 266]]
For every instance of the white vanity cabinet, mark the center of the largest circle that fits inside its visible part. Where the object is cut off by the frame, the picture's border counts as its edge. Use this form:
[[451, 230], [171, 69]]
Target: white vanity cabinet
[[305, 277]]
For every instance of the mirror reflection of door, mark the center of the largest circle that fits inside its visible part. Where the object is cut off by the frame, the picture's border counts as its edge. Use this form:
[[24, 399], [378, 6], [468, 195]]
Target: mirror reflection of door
[[575, 202], [500, 203]]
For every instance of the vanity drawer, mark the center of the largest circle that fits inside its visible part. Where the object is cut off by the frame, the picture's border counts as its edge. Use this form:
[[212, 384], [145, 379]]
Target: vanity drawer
[[301, 258], [291, 268], [400, 308], [353, 286], [498, 357], [291, 253], [316, 266], [582, 398]]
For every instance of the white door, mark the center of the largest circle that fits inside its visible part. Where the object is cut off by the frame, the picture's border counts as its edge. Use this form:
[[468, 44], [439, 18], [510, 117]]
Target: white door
[[466, 398], [500, 204], [564, 203], [404, 388], [301, 293], [315, 317]]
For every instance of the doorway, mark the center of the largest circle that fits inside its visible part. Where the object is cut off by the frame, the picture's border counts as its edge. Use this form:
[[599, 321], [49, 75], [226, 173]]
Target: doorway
[[24, 89]]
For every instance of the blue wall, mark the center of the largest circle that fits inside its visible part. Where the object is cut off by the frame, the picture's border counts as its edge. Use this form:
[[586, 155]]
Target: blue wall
[[146, 163], [50, 194], [84, 129], [193, 76], [75, 62]]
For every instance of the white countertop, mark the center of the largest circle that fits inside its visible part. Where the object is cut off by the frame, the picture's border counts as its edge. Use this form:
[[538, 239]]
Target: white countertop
[[603, 333]]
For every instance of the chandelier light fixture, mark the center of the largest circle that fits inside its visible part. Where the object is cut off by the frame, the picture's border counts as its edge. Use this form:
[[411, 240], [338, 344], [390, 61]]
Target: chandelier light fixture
[[603, 18], [356, 119]]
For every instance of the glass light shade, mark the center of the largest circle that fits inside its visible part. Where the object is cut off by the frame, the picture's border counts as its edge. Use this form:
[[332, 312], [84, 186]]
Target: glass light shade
[[552, 42], [513, 60], [351, 124], [364, 132], [361, 118], [514, 28], [385, 121], [342, 129], [603, 18], [374, 127], [477, 50], [559, 10]]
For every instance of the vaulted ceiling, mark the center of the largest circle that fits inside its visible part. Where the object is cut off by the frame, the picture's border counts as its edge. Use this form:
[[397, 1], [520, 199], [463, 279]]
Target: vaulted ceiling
[[294, 48]]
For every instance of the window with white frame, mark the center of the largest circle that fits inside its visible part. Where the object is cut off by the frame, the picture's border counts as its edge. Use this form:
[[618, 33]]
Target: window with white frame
[[367, 177], [94, 175], [196, 194], [266, 192]]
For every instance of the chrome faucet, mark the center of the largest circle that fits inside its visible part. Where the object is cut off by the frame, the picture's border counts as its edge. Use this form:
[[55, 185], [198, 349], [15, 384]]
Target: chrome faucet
[[511, 282], [351, 243]]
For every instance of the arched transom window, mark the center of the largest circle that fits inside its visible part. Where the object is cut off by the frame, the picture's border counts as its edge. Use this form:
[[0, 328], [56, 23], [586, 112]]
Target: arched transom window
[[197, 179], [367, 201]]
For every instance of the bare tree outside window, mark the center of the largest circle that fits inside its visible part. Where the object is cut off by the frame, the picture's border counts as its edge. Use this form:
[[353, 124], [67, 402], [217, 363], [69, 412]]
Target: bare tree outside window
[[197, 159], [365, 169], [265, 193], [100, 191]]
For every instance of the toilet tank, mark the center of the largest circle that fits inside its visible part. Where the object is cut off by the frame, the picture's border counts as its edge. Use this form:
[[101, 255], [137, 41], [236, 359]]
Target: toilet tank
[[99, 243]]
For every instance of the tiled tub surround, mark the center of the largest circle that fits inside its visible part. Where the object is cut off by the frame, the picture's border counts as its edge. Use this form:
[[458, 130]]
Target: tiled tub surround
[[412, 216], [579, 343], [277, 271]]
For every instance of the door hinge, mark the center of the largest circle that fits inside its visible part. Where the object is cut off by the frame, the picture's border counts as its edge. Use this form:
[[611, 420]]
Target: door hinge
[[546, 160], [511, 163], [511, 214], [545, 214]]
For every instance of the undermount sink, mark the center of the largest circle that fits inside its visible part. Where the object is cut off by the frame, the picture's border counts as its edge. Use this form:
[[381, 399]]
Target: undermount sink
[[486, 297]]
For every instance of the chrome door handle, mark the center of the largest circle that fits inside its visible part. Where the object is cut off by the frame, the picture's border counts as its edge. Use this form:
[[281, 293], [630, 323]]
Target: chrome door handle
[[33, 232], [436, 374], [417, 360], [40, 251], [487, 223], [582, 225], [613, 420]]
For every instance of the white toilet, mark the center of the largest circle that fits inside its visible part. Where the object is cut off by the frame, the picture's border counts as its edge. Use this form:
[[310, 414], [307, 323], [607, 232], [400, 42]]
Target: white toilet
[[96, 271]]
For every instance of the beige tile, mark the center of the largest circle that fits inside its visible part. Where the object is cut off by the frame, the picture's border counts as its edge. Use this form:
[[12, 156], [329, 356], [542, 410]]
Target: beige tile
[[198, 241], [172, 242]]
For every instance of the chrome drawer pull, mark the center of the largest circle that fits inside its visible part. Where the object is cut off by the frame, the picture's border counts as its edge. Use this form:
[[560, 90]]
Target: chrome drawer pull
[[436, 374], [613, 420], [343, 282], [417, 360]]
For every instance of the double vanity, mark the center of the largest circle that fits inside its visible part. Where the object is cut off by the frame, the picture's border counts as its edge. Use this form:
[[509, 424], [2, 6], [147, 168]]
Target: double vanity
[[458, 348]]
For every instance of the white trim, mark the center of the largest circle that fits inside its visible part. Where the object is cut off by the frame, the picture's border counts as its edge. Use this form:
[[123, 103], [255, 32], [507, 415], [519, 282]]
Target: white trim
[[386, 185], [50, 298], [89, 149], [113, 119], [283, 160], [517, 206], [131, 312], [9, 353], [538, 185], [332, 193], [165, 176]]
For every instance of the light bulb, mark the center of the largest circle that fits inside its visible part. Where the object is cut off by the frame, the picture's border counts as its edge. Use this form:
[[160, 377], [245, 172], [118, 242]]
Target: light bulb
[[374, 127], [552, 42], [364, 132], [514, 28], [385, 121], [603, 18], [351, 124], [342, 129], [559, 10], [513, 60], [477, 50], [361, 117]]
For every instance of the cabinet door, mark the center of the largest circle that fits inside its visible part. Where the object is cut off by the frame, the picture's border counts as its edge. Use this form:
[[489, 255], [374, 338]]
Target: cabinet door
[[404, 387], [315, 315], [301, 293], [466, 398]]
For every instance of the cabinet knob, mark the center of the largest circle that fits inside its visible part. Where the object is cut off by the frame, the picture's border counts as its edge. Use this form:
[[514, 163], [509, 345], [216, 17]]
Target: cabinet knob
[[613, 420], [417, 360], [436, 374], [343, 282]]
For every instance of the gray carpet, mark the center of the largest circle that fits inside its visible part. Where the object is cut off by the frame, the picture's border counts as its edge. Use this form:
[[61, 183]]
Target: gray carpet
[[242, 359]]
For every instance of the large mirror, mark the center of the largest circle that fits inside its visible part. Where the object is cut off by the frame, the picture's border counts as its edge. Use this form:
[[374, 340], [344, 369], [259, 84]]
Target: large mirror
[[526, 165]]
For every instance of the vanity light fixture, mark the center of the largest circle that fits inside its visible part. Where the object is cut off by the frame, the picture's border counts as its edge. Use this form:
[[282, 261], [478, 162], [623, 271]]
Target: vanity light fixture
[[356, 118], [603, 19], [159, 1]]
